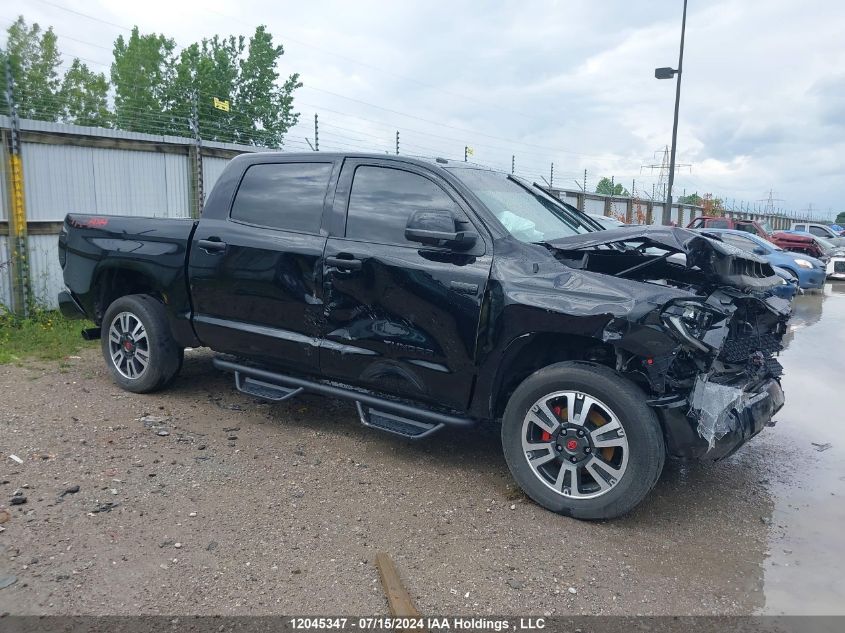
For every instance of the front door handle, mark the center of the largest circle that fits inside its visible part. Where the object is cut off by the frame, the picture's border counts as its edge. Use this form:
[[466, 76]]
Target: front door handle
[[343, 263], [212, 245]]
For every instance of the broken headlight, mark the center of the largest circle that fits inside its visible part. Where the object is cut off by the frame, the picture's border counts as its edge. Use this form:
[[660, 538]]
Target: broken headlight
[[690, 320]]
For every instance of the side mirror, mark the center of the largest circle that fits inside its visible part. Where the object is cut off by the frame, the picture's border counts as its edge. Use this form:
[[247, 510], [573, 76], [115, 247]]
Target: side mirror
[[759, 250], [439, 227]]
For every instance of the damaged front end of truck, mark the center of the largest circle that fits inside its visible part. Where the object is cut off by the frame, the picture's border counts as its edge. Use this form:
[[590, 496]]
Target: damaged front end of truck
[[706, 349]]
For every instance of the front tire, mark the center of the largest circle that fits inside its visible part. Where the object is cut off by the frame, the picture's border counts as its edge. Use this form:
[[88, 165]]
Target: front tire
[[580, 440], [137, 345]]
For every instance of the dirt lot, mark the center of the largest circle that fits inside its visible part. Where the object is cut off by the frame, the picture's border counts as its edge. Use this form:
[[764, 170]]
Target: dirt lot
[[201, 501]]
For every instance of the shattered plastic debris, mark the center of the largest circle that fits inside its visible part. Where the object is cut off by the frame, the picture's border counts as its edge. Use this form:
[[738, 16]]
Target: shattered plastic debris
[[713, 406], [822, 447]]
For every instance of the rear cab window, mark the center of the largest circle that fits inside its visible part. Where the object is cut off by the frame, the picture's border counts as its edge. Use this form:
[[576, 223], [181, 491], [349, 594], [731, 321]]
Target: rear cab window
[[719, 223], [286, 196]]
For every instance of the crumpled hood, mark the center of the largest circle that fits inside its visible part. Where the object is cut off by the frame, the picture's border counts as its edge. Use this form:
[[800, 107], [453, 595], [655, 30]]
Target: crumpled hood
[[720, 262]]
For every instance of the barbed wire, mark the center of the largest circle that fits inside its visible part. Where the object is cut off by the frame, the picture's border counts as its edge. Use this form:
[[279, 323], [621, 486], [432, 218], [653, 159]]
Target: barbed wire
[[336, 134]]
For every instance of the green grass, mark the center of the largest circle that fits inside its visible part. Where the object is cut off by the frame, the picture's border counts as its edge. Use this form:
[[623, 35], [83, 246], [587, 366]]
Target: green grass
[[46, 335]]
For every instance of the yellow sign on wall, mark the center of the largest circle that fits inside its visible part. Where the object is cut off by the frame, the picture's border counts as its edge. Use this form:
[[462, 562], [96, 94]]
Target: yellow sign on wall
[[221, 105]]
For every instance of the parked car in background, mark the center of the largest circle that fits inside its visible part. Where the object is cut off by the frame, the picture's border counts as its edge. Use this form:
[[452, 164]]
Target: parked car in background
[[809, 271], [834, 258], [837, 242], [829, 250], [607, 221], [836, 268], [748, 226], [819, 230], [789, 288], [798, 243]]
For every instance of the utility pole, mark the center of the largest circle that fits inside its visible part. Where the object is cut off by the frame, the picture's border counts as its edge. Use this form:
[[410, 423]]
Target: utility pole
[[667, 210], [316, 133], [199, 193], [466, 152], [21, 290], [513, 164], [585, 180], [552, 176], [397, 142]]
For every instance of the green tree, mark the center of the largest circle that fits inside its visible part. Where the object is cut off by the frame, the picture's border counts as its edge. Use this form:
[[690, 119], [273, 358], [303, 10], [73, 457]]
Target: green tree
[[206, 71], [840, 218], [243, 74], [34, 60], [606, 187], [693, 198], [712, 206], [262, 101], [84, 96], [142, 73]]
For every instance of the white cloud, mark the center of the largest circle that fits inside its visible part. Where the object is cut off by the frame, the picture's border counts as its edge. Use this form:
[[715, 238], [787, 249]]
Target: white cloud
[[762, 105]]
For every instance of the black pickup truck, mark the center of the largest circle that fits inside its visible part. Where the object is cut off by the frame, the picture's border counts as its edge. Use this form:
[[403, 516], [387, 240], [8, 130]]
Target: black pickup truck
[[439, 294]]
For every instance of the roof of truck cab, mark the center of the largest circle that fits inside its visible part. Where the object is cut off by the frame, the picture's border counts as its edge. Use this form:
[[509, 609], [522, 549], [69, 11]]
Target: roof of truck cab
[[399, 158]]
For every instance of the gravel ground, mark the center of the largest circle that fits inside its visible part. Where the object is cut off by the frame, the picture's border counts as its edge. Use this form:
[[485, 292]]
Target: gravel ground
[[199, 500]]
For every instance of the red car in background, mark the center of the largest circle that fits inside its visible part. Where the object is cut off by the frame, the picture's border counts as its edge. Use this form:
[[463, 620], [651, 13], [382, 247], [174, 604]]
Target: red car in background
[[800, 243], [804, 243], [787, 241], [717, 222]]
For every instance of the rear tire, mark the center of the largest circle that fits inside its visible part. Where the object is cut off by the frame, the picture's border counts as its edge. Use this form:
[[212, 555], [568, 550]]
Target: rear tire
[[137, 345], [580, 440]]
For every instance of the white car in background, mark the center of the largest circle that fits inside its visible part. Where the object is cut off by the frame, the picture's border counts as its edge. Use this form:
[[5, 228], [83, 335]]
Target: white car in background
[[836, 267]]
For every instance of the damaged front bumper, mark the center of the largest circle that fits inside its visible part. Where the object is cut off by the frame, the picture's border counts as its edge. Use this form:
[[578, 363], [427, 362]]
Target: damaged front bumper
[[717, 419], [737, 388]]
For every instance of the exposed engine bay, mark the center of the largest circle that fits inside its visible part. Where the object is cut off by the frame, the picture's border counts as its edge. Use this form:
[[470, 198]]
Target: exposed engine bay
[[728, 330]]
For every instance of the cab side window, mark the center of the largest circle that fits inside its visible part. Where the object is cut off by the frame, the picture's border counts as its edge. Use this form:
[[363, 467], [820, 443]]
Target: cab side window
[[382, 199], [286, 196]]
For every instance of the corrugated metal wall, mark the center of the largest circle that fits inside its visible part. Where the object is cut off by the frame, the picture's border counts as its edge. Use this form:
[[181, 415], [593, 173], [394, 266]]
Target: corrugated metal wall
[[5, 274], [67, 170], [211, 170], [62, 179], [44, 272]]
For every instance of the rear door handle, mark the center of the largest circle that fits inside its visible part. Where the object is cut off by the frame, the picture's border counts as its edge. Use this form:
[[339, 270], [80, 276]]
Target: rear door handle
[[343, 263], [212, 245]]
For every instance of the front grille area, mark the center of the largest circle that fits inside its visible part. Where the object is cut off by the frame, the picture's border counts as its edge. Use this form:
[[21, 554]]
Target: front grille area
[[750, 268], [773, 367], [839, 267], [740, 350]]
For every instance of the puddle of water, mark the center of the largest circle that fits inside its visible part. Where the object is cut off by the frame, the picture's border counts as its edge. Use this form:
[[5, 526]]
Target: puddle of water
[[802, 574]]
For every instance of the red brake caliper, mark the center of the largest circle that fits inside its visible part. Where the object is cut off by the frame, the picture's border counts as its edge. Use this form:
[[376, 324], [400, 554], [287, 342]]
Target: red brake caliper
[[545, 436]]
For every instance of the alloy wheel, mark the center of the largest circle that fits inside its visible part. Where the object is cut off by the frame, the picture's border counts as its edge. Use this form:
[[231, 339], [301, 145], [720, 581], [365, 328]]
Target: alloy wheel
[[575, 444], [129, 346]]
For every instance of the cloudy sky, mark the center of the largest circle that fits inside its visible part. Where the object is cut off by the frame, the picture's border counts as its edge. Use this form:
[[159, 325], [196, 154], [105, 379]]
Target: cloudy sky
[[568, 82]]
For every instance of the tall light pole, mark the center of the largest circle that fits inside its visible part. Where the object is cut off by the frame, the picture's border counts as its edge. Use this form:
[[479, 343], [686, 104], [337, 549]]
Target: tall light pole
[[668, 73]]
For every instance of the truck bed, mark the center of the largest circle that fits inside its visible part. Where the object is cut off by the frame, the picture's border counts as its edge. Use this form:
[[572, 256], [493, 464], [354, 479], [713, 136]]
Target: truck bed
[[93, 249]]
